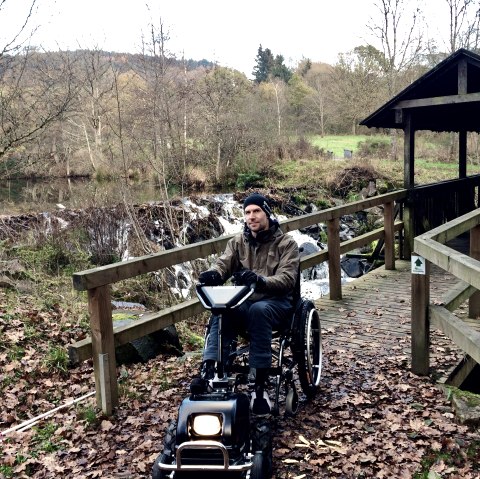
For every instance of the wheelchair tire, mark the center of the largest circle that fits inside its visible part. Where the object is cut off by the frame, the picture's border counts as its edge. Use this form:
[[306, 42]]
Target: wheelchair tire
[[307, 346], [168, 452]]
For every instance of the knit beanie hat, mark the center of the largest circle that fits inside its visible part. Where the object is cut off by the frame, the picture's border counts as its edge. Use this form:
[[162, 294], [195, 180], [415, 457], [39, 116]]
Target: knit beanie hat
[[259, 200]]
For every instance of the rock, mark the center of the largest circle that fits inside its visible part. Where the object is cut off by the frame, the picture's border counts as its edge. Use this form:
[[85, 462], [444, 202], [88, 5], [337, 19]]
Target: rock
[[355, 267], [6, 283], [13, 269], [305, 249], [143, 349], [467, 408]]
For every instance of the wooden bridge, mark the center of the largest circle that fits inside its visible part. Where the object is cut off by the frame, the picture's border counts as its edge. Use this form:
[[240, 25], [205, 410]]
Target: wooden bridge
[[389, 309], [373, 311]]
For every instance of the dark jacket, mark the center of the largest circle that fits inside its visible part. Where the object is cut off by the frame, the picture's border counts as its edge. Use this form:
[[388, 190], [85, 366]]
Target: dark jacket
[[272, 254]]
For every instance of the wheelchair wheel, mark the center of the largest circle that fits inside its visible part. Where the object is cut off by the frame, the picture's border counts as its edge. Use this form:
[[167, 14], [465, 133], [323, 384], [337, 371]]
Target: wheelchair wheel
[[307, 346]]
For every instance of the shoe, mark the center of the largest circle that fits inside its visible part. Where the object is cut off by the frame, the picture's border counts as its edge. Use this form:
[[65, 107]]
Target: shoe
[[208, 370], [262, 405]]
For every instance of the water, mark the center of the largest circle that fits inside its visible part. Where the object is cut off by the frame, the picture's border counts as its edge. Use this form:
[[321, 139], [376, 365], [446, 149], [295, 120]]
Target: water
[[36, 196]]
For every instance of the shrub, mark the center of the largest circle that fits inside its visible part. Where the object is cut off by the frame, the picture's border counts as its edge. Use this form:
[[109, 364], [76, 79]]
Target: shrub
[[374, 148]]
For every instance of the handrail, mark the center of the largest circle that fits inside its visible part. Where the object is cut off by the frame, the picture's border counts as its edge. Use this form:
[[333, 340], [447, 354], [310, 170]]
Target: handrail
[[97, 282], [113, 273], [431, 246]]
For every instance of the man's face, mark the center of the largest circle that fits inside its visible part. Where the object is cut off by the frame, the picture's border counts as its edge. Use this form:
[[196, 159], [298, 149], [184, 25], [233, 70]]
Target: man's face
[[256, 219]]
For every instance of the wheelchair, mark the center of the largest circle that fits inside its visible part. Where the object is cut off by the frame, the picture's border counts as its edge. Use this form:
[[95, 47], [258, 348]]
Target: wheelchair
[[215, 431]]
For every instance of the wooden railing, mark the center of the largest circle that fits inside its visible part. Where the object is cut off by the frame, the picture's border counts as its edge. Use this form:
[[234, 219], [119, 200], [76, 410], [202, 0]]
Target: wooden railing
[[431, 248], [104, 339]]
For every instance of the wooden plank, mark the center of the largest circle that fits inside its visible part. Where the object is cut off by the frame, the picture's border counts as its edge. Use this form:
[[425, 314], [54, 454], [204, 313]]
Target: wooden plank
[[457, 295], [474, 301], [409, 154], [100, 309], [461, 372], [388, 213], [454, 228], [420, 322], [466, 338], [313, 259], [113, 273], [149, 323], [438, 101], [460, 265], [105, 392], [334, 269]]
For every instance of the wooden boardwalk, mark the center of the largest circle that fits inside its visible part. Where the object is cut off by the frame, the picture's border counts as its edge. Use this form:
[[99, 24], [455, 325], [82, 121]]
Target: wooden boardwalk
[[374, 316]]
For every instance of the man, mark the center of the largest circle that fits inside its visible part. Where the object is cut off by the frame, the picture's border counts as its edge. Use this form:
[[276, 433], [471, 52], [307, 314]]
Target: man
[[262, 255]]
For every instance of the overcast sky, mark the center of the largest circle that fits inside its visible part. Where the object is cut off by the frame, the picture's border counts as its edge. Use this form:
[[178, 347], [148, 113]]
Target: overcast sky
[[219, 30]]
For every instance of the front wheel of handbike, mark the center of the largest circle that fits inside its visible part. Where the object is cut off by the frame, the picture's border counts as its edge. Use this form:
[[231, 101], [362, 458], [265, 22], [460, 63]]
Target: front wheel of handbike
[[167, 454]]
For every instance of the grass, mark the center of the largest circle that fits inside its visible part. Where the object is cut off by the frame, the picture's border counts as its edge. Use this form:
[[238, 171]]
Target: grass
[[339, 143]]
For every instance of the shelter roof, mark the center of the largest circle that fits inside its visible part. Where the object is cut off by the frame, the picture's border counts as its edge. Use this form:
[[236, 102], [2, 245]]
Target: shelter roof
[[446, 98]]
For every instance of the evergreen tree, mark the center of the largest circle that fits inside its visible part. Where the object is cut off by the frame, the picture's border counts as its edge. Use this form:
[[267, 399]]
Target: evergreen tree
[[280, 70], [264, 64]]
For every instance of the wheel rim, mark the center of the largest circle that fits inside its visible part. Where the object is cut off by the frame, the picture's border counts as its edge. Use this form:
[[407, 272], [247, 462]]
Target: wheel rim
[[314, 348]]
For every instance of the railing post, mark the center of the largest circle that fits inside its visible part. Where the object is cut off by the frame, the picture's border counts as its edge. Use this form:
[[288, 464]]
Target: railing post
[[334, 270], [388, 224], [103, 348], [421, 321], [474, 300]]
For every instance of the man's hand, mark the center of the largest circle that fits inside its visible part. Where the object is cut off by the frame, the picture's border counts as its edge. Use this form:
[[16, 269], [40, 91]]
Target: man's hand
[[210, 278], [249, 278]]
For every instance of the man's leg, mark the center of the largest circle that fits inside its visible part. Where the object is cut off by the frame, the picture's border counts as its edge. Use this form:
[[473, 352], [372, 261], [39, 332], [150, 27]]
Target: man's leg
[[263, 317]]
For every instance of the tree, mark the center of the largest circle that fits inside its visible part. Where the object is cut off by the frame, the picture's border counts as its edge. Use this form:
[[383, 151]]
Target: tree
[[400, 35], [268, 67], [221, 91], [357, 84], [33, 93], [464, 24], [318, 78], [264, 65]]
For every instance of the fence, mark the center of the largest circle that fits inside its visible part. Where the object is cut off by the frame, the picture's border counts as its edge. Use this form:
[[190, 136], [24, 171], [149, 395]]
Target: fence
[[104, 339]]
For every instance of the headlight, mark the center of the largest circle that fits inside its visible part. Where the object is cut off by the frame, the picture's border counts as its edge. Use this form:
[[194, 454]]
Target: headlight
[[207, 425]]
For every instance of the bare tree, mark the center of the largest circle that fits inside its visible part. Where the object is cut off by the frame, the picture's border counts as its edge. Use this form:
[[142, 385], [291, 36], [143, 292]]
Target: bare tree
[[221, 91], [34, 94], [464, 16], [400, 35]]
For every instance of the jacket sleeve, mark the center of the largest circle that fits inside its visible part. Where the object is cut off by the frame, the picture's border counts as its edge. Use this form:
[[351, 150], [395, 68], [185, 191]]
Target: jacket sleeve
[[286, 273], [227, 263]]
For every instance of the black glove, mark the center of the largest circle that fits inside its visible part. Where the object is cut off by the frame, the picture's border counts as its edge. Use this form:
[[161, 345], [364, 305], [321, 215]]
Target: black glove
[[248, 278], [210, 278]]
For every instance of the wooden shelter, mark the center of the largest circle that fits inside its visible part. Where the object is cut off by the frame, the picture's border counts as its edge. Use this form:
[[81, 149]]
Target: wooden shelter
[[445, 99]]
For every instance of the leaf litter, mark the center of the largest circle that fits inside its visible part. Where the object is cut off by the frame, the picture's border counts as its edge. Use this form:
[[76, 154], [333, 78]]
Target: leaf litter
[[371, 418]]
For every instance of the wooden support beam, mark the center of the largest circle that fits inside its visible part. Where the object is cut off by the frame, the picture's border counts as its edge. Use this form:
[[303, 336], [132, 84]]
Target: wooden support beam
[[457, 295], [462, 154], [420, 336], [409, 153], [334, 269], [465, 337], [389, 225], [461, 372], [105, 384], [474, 301], [100, 308]]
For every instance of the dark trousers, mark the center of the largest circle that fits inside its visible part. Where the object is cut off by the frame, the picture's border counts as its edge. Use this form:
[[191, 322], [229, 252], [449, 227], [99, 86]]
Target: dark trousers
[[258, 319]]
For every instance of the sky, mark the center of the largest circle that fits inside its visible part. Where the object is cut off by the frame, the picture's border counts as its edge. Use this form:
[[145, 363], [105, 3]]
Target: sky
[[223, 31]]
